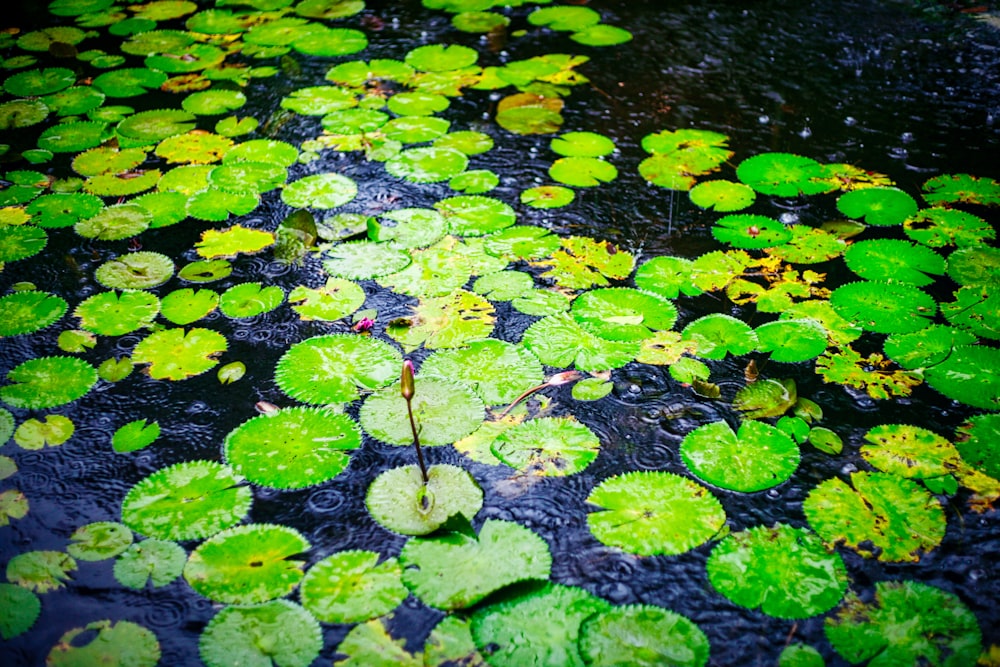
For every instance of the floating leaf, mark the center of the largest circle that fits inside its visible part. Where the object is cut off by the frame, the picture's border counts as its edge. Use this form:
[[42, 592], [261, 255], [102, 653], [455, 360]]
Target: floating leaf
[[547, 446], [106, 642], [441, 57], [30, 311], [871, 373], [21, 242], [756, 457], [786, 572], [247, 564], [352, 587], [213, 102], [35, 434], [722, 196], [40, 571], [825, 440], [623, 314], [496, 370], [569, 19], [62, 209], [448, 321], [444, 412], [667, 276], [883, 516], [99, 541], [717, 335], [359, 260], [427, 164], [909, 451], [809, 245], [19, 609], [976, 309], [22, 113], [977, 441], [782, 174], [135, 435], [38, 82], [48, 382], [333, 368], [582, 171], [296, 448], [642, 636], [878, 206], [336, 299], [472, 215], [547, 196], [115, 222], [250, 299], [129, 81], [937, 227], [274, 633], [450, 642], [13, 505], [186, 501], [792, 340], [134, 271], [970, 375], [408, 227], [766, 398], [894, 260], [978, 266], [398, 498], [522, 242], [649, 513], [173, 354], [158, 562], [884, 307], [951, 188], [370, 644], [559, 341], [907, 623], [538, 628], [322, 191], [188, 305], [455, 571], [750, 231], [582, 263]]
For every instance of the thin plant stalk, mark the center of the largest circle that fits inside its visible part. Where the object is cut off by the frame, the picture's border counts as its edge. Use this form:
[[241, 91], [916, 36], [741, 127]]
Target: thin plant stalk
[[407, 389], [559, 378]]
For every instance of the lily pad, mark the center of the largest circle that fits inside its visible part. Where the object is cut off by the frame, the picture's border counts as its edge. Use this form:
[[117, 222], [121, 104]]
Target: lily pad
[[63, 209], [547, 446], [135, 435], [333, 368], [48, 382], [623, 314], [894, 260], [52, 431], [455, 571], [427, 164], [785, 572], [30, 311], [926, 347], [547, 196], [722, 196], [399, 500], [263, 150], [717, 335], [569, 18], [441, 57], [650, 513], [247, 564], [357, 260], [129, 81], [173, 354], [909, 451], [99, 541], [970, 375], [884, 307], [353, 587], [496, 370], [448, 321], [158, 562], [19, 609], [883, 516], [756, 457], [293, 449], [976, 309], [471, 215], [792, 340], [274, 633], [642, 636], [978, 266], [135, 271], [937, 227], [557, 340], [582, 171], [408, 227], [188, 305], [40, 571], [809, 245], [907, 623], [444, 412], [186, 501], [106, 642], [782, 174], [751, 231], [977, 440], [22, 113], [964, 188], [878, 206], [21, 242], [322, 191], [112, 223], [38, 82], [766, 398]]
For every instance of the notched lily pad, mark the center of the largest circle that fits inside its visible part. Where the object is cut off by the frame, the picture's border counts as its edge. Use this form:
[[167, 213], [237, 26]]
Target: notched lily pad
[[48, 382], [399, 500], [352, 587], [175, 354], [278, 632], [335, 368], [547, 446], [107, 642], [756, 457]]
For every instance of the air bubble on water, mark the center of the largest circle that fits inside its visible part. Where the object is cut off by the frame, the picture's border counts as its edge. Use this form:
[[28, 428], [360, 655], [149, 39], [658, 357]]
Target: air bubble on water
[[805, 133], [850, 121], [789, 218], [763, 119]]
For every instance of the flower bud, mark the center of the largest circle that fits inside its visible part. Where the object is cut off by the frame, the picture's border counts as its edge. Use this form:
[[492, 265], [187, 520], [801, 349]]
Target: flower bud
[[407, 387]]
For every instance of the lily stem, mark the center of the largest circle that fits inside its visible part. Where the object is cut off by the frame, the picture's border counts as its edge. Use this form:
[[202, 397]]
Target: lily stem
[[416, 440]]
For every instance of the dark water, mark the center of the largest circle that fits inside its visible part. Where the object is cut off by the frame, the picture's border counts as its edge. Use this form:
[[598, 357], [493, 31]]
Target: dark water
[[878, 84]]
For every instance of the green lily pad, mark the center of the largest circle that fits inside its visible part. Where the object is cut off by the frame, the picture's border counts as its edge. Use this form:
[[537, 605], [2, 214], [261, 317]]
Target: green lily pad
[[293, 449], [417, 103], [448, 321], [623, 314], [809, 245], [38, 82], [971, 375], [455, 571], [838, 330], [263, 150], [416, 129], [175, 354], [399, 500], [48, 382], [357, 260], [926, 347], [40, 571], [475, 181], [496, 370], [792, 340], [135, 435], [21, 242], [322, 191], [756, 457], [667, 276], [537, 628], [63, 209], [976, 266], [22, 113], [247, 564], [894, 260], [274, 633], [557, 340], [717, 335], [329, 9], [34, 434], [427, 164], [642, 636], [112, 223], [331, 42], [336, 299], [782, 174], [884, 307], [134, 271], [582, 144], [766, 398], [213, 102], [471, 215], [99, 541], [19, 609], [158, 562], [250, 299], [504, 285], [465, 141], [570, 19], [408, 227], [722, 196], [186, 501], [534, 119], [187, 305], [522, 242], [196, 147], [333, 368], [354, 121], [976, 309], [231, 126], [450, 642], [582, 263], [319, 100], [937, 227], [750, 231], [13, 505], [30, 311], [547, 446], [106, 642], [963, 188], [786, 572], [909, 451], [151, 127], [129, 81], [444, 412], [883, 516], [547, 196], [878, 206], [479, 22], [441, 57], [977, 440], [353, 587], [907, 623], [582, 171], [601, 35]]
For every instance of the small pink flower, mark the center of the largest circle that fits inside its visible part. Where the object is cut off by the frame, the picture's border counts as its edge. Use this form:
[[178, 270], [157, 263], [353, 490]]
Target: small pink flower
[[363, 325]]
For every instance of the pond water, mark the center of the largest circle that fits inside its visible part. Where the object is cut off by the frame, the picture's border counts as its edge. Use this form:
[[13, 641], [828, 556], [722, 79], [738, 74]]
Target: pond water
[[908, 90]]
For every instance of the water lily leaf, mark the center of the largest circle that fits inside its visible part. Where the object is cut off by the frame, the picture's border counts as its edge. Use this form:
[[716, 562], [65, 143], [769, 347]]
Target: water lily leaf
[[76, 341], [937, 227], [129, 81], [977, 440], [332, 368], [48, 382], [838, 330], [504, 285], [29, 311], [396, 498], [541, 627], [558, 340], [796, 427], [354, 121], [883, 516], [871, 373], [809, 245], [454, 571], [22, 113], [496, 370], [352, 587], [13, 505], [106, 642], [296, 448], [522, 242], [319, 100], [359, 260], [117, 185], [569, 19], [623, 314], [476, 181], [976, 309], [450, 642], [416, 129], [19, 609], [233, 241], [667, 276], [21, 242], [194, 147], [231, 126], [757, 457], [766, 398], [978, 266], [135, 271], [151, 127], [479, 22], [601, 35], [164, 10], [73, 136], [471, 215], [274, 633], [970, 375], [173, 354], [547, 196], [907, 623], [38, 82], [909, 451], [250, 299], [884, 307], [417, 103], [750, 231], [722, 196], [961, 188], [331, 42], [444, 412], [40, 571], [322, 191], [369, 643], [782, 174], [408, 227], [894, 260], [135, 435], [186, 501], [112, 223], [215, 205], [792, 340], [427, 164], [188, 305], [247, 564], [63, 209], [547, 446], [465, 141], [926, 347], [265, 150], [113, 369], [582, 263], [213, 102], [35, 434], [717, 335], [679, 156], [878, 206], [99, 541], [441, 57], [642, 636], [582, 171], [150, 561], [336, 299]]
